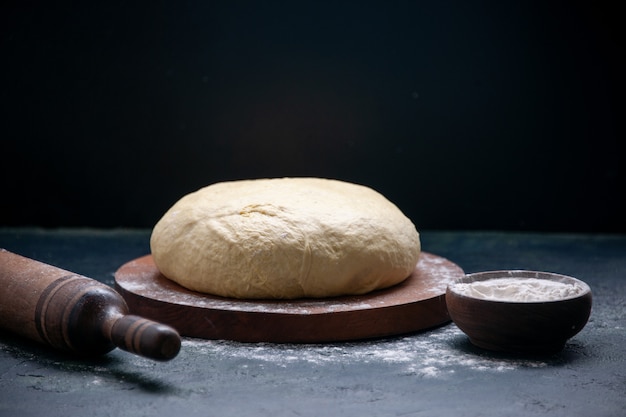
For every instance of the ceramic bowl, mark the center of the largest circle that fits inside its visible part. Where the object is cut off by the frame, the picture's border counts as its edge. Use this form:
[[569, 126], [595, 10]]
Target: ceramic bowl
[[529, 312]]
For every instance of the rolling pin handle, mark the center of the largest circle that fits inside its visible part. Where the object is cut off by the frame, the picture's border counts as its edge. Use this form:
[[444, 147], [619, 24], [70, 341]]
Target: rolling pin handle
[[73, 313], [145, 338]]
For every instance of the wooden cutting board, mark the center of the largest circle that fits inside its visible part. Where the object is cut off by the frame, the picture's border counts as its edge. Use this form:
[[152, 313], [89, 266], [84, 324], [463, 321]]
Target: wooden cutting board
[[416, 304]]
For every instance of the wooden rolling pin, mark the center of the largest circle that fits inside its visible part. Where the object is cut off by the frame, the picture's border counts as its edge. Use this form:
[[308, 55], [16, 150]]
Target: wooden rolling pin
[[74, 313]]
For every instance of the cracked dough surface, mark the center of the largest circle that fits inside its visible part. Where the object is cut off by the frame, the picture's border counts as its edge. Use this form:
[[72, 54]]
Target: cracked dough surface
[[285, 238]]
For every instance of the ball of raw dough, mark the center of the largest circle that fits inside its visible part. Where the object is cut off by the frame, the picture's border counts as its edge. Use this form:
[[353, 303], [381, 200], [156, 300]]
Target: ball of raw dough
[[285, 238]]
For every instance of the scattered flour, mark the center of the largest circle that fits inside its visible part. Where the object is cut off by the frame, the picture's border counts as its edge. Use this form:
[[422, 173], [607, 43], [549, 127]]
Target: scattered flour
[[428, 354]]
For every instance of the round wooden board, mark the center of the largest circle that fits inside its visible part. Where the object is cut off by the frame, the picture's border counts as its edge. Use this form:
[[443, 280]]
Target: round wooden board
[[416, 304]]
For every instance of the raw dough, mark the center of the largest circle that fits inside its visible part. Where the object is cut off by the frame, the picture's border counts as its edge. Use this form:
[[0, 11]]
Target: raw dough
[[285, 238]]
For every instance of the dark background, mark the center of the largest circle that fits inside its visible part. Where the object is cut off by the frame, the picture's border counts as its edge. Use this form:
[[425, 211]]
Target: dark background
[[466, 114]]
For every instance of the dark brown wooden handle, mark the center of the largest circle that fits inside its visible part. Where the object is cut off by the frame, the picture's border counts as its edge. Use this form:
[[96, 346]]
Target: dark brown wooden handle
[[74, 313], [145, 338]]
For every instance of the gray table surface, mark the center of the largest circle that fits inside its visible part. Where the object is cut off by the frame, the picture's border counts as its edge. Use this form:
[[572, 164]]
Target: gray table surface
[[431, 373]]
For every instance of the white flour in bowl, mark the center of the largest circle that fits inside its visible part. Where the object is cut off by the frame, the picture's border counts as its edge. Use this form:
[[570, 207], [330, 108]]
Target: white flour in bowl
[[518, 289]]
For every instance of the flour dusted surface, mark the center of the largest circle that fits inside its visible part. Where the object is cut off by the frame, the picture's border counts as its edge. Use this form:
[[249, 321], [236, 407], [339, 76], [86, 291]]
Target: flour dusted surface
[[430, 354]]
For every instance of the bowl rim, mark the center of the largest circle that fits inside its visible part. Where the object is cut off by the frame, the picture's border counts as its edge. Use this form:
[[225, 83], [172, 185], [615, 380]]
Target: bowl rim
[[521, 274]]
